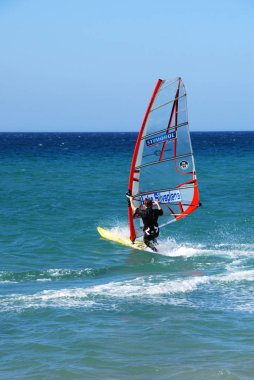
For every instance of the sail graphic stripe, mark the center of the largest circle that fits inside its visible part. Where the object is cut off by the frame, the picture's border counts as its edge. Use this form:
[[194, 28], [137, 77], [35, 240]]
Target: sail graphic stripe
[[162, 190]]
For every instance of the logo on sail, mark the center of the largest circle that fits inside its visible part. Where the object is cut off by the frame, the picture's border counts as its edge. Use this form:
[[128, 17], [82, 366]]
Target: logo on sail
[[184, 165], [161, 138], [171, 196]]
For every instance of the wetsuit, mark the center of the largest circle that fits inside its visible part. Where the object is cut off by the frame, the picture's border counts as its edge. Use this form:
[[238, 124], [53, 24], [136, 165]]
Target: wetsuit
[[151, 228]]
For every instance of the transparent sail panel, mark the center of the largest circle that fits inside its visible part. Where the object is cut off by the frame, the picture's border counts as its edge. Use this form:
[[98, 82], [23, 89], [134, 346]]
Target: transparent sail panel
[[166, 175]]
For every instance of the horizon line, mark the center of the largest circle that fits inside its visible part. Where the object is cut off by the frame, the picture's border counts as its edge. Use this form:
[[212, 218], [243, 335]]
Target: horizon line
[[199, 131]]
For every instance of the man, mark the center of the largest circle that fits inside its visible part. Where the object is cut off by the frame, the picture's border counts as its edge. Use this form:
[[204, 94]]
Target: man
[[150, 220]]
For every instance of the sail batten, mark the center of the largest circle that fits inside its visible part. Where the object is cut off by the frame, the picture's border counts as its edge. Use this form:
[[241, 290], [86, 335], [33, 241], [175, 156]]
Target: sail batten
[[168, 159], [164, 104], [163, 157]]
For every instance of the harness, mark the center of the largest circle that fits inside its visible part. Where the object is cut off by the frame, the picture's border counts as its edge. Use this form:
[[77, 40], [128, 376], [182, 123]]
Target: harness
[[151, 230]]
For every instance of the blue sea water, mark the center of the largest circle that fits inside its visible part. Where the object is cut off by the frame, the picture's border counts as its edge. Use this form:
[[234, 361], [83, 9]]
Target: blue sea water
[[75, 306]]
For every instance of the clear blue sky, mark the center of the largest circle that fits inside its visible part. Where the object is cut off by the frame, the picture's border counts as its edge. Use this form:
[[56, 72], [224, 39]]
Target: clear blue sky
[[92, 65]]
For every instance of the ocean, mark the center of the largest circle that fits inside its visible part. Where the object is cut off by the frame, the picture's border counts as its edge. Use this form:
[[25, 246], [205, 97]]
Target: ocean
[[75, 306]]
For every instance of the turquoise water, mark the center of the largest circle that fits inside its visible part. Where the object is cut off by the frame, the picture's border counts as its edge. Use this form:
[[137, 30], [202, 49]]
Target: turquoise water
[[74, 306]]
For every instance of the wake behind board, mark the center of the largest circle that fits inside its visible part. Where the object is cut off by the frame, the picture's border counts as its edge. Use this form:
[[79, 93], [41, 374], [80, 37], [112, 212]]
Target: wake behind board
[[109, 235]]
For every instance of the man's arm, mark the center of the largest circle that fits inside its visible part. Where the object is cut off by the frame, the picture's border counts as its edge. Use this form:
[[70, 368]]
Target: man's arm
[[132, 204], [159, 207]]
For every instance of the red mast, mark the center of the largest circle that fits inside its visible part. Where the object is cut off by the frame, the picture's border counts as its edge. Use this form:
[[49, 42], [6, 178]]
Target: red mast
[[134, 159]]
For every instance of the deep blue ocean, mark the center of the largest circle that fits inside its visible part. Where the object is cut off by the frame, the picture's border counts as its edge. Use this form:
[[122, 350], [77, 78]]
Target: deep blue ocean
[[75, 306]]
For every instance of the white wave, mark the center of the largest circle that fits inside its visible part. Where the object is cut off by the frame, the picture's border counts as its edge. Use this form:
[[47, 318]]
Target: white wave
[[170, 247], [147, 287], [154, 289], [247, 307], [58, 273], [121, 230], [236, 264], [64, 298], [47, 275], [142, 288], [244, 275], [245, 246]]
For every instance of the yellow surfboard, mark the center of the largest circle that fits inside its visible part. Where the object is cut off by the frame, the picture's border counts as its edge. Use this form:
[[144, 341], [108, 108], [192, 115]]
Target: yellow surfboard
[[109, 235]]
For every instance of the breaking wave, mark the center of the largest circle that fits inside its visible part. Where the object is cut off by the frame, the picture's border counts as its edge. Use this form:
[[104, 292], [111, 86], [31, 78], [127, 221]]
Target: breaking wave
[[157, 289]]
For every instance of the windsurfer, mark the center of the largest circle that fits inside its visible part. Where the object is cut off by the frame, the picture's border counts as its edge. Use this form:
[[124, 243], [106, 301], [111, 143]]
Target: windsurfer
[[150, 220]]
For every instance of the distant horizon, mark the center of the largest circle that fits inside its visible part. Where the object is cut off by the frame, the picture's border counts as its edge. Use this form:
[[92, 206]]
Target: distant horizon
[[83, 132]]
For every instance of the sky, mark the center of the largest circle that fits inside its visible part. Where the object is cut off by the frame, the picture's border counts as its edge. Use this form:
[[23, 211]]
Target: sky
[[87, 66]]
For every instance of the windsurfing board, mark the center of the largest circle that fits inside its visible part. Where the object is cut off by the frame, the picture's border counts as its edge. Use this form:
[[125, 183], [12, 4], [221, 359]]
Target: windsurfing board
[[109, 235]]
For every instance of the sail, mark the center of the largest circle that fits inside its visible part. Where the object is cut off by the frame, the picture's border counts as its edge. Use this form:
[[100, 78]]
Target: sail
[[162, 166]]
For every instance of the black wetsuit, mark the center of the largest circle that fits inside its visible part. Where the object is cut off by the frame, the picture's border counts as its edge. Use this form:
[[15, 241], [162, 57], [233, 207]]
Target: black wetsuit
[[151, 228]]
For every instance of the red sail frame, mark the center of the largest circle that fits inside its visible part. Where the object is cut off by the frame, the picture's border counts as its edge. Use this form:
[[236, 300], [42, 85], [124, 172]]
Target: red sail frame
[[134, 159]]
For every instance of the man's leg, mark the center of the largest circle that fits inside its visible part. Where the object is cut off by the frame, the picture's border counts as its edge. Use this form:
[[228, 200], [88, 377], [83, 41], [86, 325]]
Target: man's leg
[[148, 241], [156, 234]]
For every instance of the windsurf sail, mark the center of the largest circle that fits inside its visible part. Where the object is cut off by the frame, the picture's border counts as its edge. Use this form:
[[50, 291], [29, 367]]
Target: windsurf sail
[[162, 166]]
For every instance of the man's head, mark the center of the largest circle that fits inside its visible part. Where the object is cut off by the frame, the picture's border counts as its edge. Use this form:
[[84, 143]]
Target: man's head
[[148, 203]]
